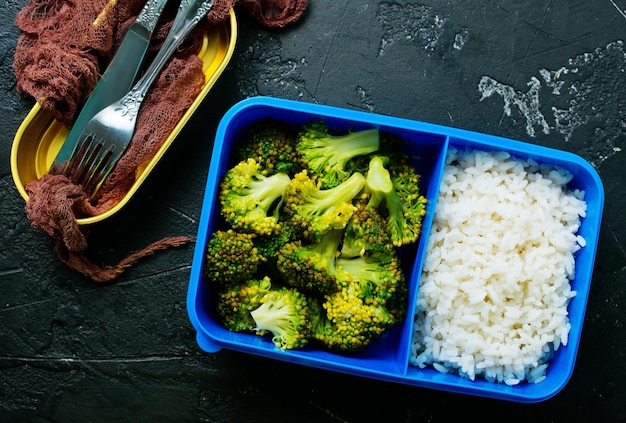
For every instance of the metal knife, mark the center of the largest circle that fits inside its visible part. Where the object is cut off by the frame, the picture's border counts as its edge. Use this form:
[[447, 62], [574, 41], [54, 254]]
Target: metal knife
[[118, 77]]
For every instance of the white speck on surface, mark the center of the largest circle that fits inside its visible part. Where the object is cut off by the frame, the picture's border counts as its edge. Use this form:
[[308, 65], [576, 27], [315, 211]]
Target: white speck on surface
[[416, 23], [527, 103], [365, 99], [573, 96], [265, 72], [551, 79], [460, 39]]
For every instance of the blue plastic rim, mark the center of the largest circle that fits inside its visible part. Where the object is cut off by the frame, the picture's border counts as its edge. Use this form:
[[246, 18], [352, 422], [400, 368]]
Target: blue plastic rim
[[388, 358]]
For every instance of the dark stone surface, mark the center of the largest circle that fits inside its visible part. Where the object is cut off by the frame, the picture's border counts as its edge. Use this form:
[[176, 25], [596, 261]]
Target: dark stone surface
[[550, 72]]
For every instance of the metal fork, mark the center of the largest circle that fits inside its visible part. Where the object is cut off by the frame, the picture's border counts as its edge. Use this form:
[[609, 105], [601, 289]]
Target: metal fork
[[108, 133]]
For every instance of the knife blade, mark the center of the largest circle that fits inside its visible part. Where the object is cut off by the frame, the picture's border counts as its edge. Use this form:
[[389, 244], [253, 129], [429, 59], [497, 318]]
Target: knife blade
[[118, 77]]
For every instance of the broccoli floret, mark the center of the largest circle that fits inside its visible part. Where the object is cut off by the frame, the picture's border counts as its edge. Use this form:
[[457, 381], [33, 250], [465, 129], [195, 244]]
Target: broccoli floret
[[272, 143], [400, 197], [231, 256], [236, 300], [251, 201], [350, 324], [326, 155], [270, 245], [315, 210], [311, 267], [324, 333], [366, 232], [379, 276], [284, 313], [397, 303]]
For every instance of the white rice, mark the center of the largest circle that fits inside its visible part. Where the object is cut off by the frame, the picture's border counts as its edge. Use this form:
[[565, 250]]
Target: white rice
[[495, 287]]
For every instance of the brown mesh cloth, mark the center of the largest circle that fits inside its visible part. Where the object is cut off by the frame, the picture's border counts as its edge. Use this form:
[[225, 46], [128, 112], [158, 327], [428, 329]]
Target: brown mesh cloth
[[63, 48]]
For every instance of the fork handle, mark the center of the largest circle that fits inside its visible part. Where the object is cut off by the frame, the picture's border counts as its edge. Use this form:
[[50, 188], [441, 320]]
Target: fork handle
[[190, 12]]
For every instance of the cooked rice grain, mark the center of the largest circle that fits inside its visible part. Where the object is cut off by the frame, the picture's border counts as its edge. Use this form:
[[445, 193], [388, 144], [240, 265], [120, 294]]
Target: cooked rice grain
[[495, 287]]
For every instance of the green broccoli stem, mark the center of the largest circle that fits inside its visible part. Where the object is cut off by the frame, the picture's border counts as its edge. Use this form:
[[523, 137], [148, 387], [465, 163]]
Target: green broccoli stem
[[354, 144], [354, 249], [272, 316], [378, 181], [358, 268], [268, 189], [328, 247], [342, 193], [381, 188]]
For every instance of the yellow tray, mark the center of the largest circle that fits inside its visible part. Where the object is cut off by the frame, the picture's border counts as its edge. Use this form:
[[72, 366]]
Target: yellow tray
[[40, 137]]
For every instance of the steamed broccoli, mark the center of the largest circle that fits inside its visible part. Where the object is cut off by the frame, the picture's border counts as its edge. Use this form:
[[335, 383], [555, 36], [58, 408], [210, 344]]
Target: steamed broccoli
[[284, 312], [326, 155], [399, 196], [272, 144], [366, 232], [251, 201], [379, 276], [235, 301], [308, 251], [316, 210], [311, 266], [231, 256], [349, 323], [270, 245]]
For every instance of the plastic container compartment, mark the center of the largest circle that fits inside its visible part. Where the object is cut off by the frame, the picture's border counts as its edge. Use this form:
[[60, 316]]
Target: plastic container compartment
[[387, 359], [40, 137]]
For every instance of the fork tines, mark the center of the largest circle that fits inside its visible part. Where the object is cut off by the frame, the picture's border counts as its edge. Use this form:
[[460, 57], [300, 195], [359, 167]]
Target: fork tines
[[89, 164]]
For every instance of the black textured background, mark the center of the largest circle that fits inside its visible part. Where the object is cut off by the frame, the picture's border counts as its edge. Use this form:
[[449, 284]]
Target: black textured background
[[550, 72]]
